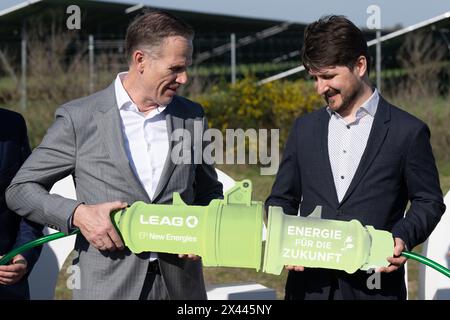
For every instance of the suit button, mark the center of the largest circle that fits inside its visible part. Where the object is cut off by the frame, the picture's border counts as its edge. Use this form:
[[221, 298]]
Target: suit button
[[339, 212]]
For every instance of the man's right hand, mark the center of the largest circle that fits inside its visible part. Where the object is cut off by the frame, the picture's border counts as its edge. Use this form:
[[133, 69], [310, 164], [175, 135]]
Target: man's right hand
[[94, 222], [295, 268]]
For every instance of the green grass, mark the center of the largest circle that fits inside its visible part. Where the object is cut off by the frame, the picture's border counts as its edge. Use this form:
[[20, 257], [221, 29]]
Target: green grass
[[242, 69], [61, 291], [444, 175]]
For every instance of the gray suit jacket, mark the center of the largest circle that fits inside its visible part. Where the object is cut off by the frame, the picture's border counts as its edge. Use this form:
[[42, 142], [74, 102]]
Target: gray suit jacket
[[86, 141]]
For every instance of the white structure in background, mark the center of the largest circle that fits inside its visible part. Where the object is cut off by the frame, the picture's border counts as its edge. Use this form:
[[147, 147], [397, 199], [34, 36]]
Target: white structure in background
[[43, 278], [246, 291], [45, 273], [433, 284]]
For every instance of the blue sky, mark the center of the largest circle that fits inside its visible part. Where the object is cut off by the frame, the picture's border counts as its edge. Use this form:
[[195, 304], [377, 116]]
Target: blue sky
[[393, 12]]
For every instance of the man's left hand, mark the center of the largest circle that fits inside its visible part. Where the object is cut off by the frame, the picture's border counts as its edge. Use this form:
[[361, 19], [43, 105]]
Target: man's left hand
[[13, 272], [397, 260]]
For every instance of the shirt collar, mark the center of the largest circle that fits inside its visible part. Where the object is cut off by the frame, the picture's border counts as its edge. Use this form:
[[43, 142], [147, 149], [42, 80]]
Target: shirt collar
[[122, 98], [124, 101], [369, 106]]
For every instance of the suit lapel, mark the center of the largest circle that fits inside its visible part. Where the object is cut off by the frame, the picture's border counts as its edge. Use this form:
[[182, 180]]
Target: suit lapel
[[322, 133], [377, 136], [173, 122], [109, 124]]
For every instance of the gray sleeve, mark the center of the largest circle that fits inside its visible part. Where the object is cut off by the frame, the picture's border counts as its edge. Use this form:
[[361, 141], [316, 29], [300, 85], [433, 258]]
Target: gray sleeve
[[28, 194]]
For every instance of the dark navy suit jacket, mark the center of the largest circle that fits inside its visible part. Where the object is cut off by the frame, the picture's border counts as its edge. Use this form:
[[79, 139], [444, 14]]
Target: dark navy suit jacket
[[397, 166], [14, 230]]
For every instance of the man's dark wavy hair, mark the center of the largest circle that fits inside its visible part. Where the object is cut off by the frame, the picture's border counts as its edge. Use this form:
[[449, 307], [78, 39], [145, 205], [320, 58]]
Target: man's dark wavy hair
[[333, 41]]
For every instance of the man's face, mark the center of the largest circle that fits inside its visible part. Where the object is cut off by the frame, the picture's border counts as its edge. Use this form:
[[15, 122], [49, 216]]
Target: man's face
[[166, 69], [339, 86]]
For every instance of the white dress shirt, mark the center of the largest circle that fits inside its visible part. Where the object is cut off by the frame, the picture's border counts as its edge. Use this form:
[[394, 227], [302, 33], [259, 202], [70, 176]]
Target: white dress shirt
[[145, 136], [347, 142], [146, 139]]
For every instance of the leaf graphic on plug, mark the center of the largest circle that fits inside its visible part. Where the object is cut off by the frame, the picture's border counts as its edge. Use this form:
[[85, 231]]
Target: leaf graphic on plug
[[348, 243]]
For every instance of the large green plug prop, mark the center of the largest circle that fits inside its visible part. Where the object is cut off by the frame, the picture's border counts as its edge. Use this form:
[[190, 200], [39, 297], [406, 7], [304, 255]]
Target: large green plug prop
[[225, 233], [321, 243], [228, 233]]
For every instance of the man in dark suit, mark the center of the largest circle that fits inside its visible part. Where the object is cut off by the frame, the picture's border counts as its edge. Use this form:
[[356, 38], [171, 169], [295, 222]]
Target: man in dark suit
[[14, 230], [117, 144], [359, 158]]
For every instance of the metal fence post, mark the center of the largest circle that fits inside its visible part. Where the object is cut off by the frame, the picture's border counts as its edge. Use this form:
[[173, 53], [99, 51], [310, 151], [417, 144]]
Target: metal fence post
[[378, 62], [233, 58]]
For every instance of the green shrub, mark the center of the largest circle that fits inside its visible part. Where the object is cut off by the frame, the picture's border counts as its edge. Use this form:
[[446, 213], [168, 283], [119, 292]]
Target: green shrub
[[245, 105]]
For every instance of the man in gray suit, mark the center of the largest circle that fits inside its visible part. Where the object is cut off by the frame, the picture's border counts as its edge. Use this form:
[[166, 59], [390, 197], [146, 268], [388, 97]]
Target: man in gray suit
[[117, 144]]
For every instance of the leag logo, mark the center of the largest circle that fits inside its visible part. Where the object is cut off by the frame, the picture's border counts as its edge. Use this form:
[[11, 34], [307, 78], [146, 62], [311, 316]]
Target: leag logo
[[190, 221]]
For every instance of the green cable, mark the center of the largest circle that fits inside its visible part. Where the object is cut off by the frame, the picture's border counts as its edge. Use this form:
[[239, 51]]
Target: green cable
[[59, 235], [436, 266], [29, 245]]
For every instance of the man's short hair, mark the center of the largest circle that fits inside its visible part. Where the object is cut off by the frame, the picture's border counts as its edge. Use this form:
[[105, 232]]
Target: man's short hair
[[151, 28], [333, 41]]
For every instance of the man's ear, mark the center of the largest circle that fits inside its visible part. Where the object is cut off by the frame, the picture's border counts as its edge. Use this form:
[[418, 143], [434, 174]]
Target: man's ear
[[361, 66], [138, 59]]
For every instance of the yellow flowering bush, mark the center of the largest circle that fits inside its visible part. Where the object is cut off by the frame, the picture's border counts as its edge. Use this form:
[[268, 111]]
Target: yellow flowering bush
[[245, 105]]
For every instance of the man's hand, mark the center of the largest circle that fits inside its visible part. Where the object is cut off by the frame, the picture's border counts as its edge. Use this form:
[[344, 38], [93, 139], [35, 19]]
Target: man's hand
[[295, 268], [191, 257], [95, 224], [14, 271], [397, 260]]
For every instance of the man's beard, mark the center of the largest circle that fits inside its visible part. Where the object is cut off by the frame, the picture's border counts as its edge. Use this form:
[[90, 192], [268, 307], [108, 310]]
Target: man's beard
[[347, 100]]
